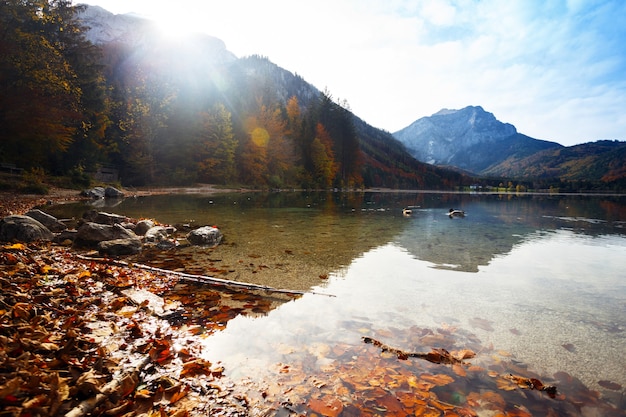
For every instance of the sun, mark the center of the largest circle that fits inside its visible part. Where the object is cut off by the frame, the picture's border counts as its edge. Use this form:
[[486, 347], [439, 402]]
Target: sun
[[173, 27], [174, 23]]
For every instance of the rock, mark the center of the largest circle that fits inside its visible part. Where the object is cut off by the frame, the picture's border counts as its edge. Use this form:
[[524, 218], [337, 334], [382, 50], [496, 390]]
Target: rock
[[156, 234], [205, 236], [66, 236], [167, 244], [23, 229], [104, 218], [98, 193], [90, 234], [129, 225], [95, 193], [47, 220], [111, 192], [143, 226], [117, 247]]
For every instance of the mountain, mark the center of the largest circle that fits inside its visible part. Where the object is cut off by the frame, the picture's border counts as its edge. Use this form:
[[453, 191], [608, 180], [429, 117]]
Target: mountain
[[600, 161], [470, 139], [198, 72], [106, 28]]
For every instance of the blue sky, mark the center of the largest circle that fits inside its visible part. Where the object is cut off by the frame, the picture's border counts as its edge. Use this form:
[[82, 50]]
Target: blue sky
[[556, 69]]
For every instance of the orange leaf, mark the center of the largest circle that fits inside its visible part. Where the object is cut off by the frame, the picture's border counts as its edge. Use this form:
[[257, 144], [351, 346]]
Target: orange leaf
[[179, 394], [459, 370], [195, 367], [328, 406], [494, 400], [439, 379], [15, 246], [463, 354], [427, 412]]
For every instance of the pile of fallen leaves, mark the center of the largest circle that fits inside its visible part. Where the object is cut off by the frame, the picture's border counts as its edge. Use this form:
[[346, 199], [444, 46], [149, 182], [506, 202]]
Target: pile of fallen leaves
[[85, 338]]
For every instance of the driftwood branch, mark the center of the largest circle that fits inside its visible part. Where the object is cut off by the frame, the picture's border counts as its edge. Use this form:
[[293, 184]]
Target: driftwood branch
[[532, 383], [442, 356], [434, 356], [203, 279]]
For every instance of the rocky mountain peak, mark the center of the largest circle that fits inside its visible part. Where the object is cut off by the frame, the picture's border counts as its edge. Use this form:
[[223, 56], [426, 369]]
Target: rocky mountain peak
[[439, 138], [106, 28]]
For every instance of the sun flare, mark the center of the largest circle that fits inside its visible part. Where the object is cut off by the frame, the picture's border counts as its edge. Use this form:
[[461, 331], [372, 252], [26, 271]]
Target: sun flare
[[175, 24], [174, 28]]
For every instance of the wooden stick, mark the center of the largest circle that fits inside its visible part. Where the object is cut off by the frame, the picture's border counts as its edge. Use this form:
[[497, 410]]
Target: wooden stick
[[203, 279]]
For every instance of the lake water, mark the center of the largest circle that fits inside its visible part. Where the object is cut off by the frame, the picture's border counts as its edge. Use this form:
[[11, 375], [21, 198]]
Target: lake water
[[538, 280]]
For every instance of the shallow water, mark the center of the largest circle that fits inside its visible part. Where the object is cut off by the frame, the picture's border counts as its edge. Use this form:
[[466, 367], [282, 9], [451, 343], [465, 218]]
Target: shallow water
[[541, 279]]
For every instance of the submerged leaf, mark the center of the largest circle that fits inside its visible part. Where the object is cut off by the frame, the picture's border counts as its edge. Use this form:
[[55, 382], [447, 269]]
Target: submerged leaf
[[610, 385], [439, 379], [328, 406]]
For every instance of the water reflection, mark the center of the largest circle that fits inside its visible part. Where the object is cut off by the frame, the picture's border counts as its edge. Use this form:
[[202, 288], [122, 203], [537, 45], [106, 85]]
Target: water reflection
[[301, 236]]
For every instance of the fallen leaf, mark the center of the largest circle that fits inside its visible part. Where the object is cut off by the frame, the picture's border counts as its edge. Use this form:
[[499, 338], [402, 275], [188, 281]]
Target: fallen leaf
[[15, 246], [439, 379], [196, 367], [481, 324], [329, 406], [459, 370], [10, 387], [89, 382], [610, 385], [181, 393]]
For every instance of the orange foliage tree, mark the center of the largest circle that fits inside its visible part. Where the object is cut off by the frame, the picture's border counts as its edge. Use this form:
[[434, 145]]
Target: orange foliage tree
[[39, 95], [323, 158]]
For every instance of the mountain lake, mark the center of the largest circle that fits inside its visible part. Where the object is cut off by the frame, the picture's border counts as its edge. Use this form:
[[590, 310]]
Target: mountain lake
[[533, 284]]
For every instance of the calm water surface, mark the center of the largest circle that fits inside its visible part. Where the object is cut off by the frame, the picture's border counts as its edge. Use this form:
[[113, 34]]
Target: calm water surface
[[542, 278]]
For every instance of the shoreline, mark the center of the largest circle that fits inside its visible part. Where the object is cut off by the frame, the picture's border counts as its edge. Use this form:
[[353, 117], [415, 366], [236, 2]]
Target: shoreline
[[16, 203]]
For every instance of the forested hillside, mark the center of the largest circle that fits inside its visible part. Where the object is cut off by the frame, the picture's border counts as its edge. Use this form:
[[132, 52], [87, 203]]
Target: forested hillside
[[178, 112], [579, 167]]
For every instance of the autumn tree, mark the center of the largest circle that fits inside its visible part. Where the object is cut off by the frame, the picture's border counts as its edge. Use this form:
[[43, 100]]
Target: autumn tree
[[294, 117], [143, 117], [323, 158], [88, 148], [269, 149], [338, 122], [253, 158], [217, 146], [40, 98]]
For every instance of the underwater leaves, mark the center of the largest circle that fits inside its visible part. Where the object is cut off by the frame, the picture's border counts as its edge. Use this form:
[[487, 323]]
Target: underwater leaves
[[329, 406]]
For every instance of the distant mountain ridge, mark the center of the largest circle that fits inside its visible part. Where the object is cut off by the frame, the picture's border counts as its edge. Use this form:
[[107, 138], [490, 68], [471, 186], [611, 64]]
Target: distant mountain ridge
[[603, 160], [470, 139]]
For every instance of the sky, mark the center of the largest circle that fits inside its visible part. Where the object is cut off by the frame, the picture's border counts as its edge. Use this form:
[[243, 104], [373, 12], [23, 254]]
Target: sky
[[556, 69]]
